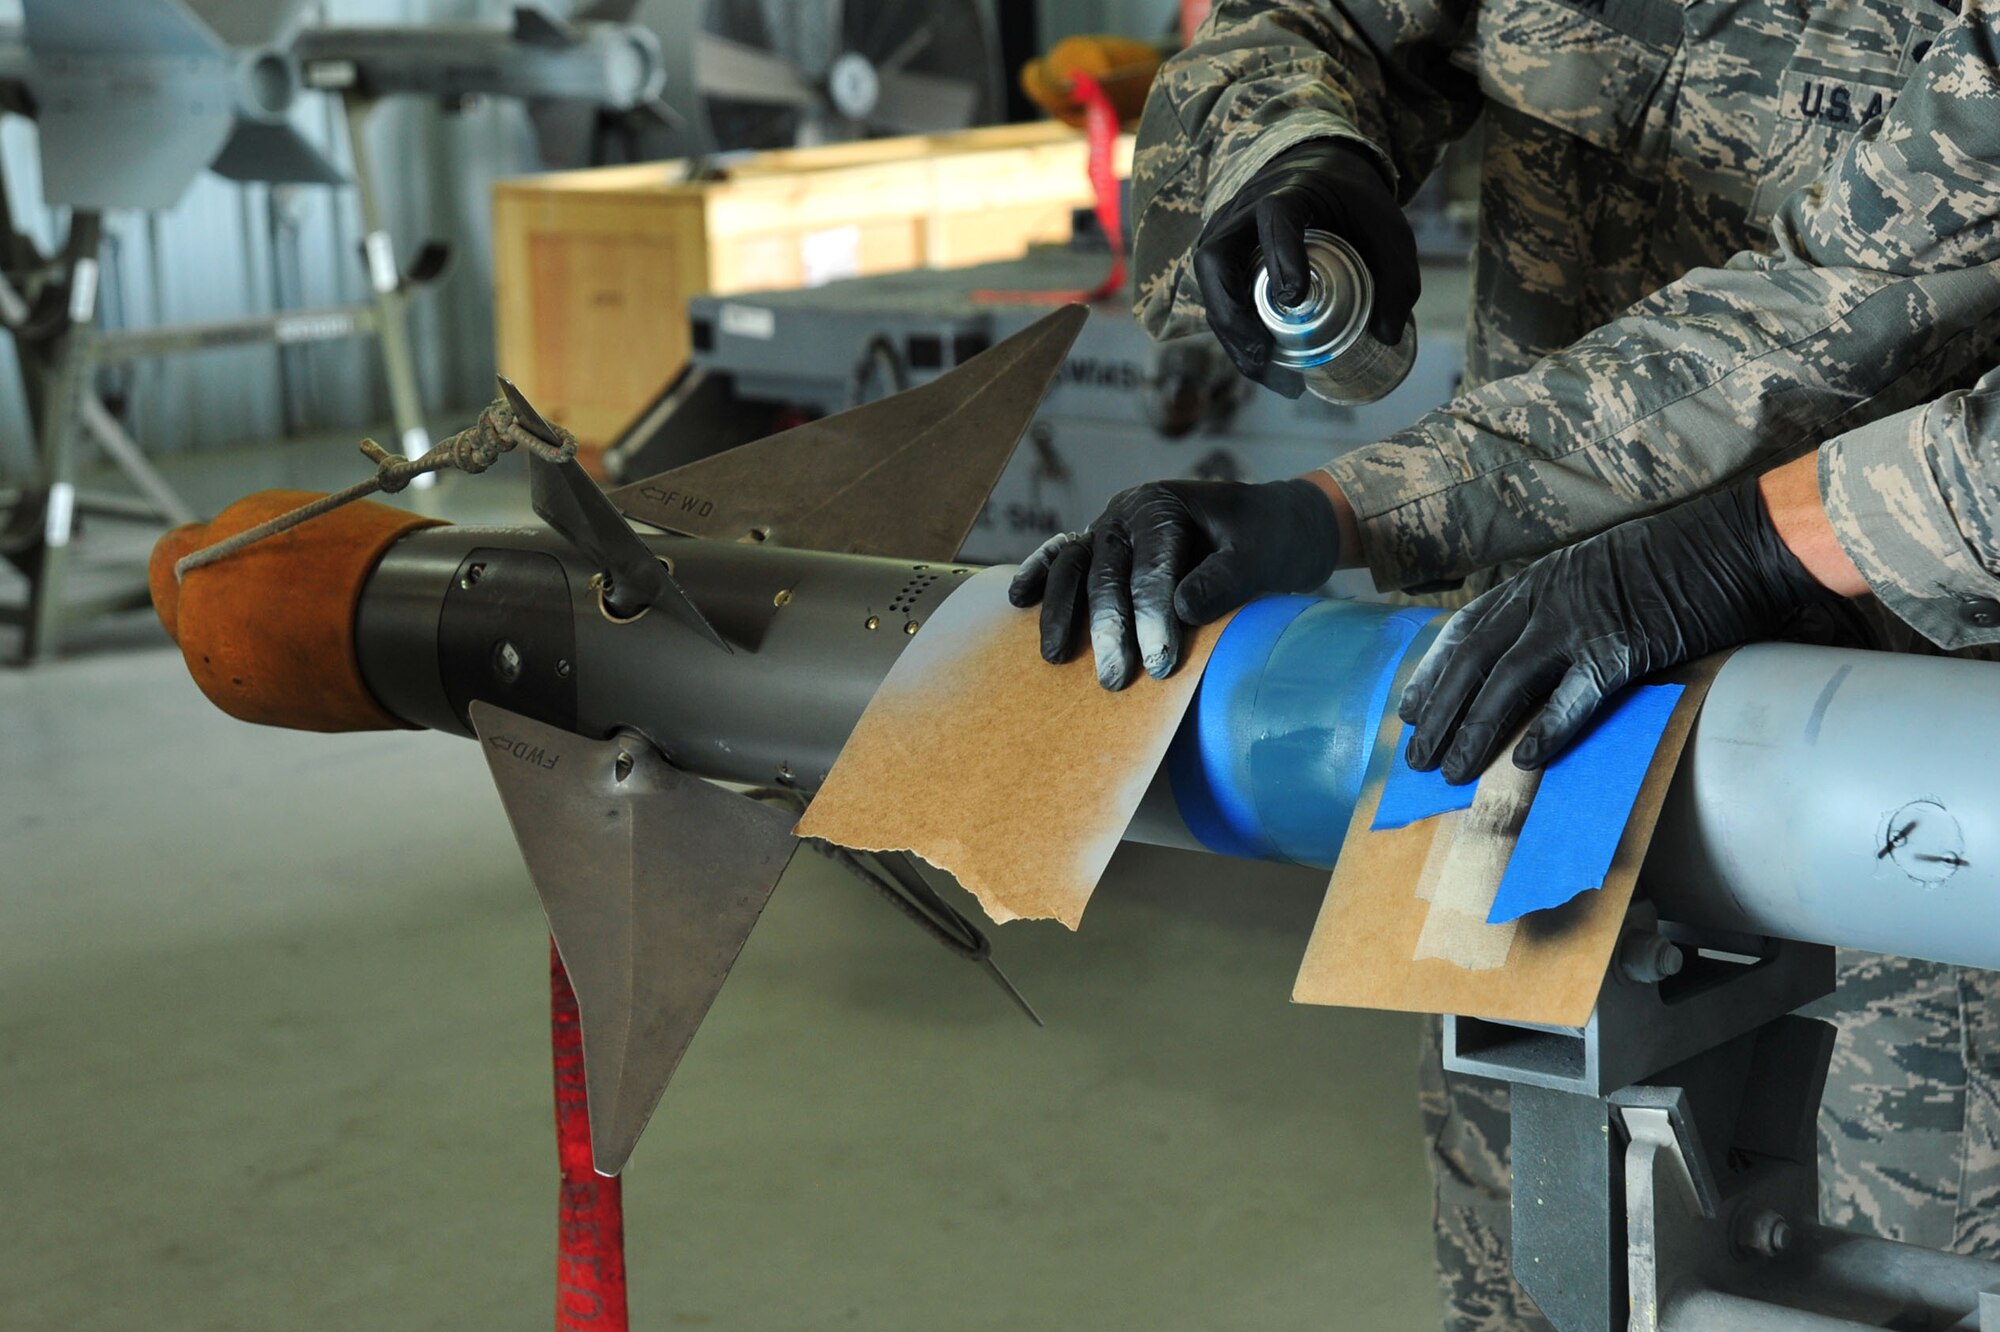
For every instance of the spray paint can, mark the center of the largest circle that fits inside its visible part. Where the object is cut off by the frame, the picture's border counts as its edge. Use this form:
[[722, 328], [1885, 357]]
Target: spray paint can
[[1325, 336]]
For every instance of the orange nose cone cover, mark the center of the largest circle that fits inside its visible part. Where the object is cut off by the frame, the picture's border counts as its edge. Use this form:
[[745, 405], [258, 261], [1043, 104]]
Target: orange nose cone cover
[[268, 633], [183, 540]]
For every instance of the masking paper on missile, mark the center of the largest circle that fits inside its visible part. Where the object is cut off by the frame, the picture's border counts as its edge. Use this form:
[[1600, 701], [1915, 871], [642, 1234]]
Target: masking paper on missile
[[1017, 777], [1404, 922]]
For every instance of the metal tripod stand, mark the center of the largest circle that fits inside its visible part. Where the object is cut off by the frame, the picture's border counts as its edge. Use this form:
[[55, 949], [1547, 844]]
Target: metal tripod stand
[[49, 303]]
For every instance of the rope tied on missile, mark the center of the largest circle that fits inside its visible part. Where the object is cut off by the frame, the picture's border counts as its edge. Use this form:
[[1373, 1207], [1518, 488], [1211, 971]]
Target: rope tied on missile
[[473, 450]]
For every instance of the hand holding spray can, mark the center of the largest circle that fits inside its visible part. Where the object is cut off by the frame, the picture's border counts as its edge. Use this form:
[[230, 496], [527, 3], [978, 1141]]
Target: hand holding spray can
[[1325, 336]]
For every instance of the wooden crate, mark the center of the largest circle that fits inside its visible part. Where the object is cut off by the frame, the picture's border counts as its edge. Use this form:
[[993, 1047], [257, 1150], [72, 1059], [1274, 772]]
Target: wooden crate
[[593, 269]]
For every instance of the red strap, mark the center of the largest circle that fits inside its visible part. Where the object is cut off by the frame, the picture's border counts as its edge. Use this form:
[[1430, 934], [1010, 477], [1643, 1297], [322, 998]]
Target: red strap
[[590, 1226], [1100, 125]]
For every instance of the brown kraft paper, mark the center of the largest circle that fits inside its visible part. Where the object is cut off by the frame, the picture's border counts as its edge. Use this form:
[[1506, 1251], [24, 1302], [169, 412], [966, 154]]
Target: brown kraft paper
[[1368, 947], [1017, 777]]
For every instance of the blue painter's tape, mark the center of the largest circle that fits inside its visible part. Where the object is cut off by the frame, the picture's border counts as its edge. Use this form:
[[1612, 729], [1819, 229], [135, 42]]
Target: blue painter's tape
[[1208, 763], [1325, 693], [1409, 796], [1582, 805]]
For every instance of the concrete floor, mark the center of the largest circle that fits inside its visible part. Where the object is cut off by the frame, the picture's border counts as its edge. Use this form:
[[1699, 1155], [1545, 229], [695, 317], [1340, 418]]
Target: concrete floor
[[273, 1054]]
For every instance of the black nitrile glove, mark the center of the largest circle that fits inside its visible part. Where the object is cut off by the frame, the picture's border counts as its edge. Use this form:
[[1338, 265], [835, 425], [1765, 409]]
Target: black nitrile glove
[[1170, 552], [1332, 184], [1581, 623]]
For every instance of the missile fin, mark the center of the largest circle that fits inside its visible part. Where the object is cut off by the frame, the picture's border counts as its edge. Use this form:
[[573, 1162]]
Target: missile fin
[[141, 145], [535, 26], [567, 499], [904, 477], [274, 153], [151, 30], [651, 879]]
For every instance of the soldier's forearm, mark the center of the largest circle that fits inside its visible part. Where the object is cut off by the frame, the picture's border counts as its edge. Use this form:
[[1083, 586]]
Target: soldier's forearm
[[1791, 496]]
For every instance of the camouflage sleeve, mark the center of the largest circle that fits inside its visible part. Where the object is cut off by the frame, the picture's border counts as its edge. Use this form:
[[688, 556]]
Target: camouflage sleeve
[[1915, 501], [1884, 289], [1264, 75]]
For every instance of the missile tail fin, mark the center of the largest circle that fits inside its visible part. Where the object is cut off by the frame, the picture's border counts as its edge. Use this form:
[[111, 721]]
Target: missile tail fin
[[651, 879], [535, 26], [567, 499], [275, 153], [904, 477]]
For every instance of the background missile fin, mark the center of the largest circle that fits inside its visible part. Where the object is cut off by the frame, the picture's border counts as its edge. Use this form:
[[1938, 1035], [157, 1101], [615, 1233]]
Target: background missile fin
[[565, 497], [905, 476], [151, 29], [173, 106], [534, 26], [651, 879], [275, 153], [745, 73]]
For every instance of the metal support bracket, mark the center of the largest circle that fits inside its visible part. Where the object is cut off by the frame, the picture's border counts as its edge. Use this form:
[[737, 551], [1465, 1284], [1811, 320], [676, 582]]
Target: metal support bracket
[[1641, 1026]]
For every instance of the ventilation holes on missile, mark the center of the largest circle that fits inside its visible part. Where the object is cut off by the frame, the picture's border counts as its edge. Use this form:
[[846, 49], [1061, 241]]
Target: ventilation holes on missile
[[905, 602]]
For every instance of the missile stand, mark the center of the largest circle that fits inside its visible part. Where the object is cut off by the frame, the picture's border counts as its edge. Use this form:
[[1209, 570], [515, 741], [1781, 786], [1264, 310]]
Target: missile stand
[[49, 303]]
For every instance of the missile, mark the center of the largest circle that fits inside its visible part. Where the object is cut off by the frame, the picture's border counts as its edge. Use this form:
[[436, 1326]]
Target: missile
[[1818, 798]]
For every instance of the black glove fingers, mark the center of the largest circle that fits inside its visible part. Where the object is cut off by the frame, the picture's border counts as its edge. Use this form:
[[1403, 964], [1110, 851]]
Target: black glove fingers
[[1423, 681], [1163, 546], [1575, 701], [1521, 679], [1218, 585], [1063, 605], [1467, 662], [1033, 575], [1223, 269], [1113, 640], [1281, 234]]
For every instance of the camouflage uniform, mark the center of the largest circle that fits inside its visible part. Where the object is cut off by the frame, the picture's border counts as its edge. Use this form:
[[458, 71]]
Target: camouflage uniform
[[1620, 360]]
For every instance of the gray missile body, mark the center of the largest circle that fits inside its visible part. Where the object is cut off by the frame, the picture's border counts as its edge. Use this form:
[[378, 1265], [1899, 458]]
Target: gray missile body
[[1827, 795]]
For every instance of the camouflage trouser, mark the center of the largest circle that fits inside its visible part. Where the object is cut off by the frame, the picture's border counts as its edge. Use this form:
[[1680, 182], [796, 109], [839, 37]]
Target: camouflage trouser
[[1909, 1132]]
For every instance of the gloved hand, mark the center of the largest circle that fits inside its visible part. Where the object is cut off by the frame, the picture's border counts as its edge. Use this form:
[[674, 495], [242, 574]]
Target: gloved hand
[[1332, 184], [1581, 623], [1175, 551]]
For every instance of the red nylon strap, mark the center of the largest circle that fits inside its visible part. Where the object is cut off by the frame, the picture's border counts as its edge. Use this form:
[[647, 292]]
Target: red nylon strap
[[590, 1226], [1100, 125]]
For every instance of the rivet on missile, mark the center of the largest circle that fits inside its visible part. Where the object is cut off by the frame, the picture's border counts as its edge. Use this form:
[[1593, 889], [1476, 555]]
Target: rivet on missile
[[472, 575], [910, 627], [873, 623], [783, 598]]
